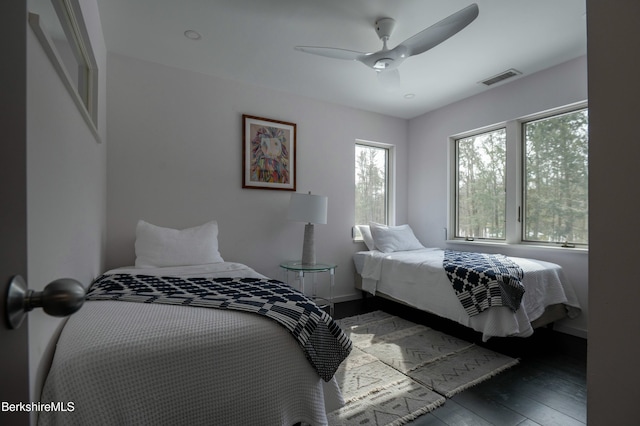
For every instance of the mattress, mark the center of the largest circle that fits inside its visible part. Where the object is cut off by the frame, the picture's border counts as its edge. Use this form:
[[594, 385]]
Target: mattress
[[134, 363], [418, 279]]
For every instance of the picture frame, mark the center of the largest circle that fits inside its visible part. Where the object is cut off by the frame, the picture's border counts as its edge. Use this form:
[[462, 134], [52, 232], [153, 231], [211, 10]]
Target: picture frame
[[268, 153]]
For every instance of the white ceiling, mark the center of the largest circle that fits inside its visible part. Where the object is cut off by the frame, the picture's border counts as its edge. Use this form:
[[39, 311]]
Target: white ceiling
[[253, 41]]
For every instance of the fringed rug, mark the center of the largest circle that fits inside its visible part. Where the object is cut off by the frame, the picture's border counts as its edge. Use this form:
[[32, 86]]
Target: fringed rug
[[399, 370]]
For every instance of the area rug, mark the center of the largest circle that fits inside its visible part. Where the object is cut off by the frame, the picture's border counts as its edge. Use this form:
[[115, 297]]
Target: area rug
[[399, 370]]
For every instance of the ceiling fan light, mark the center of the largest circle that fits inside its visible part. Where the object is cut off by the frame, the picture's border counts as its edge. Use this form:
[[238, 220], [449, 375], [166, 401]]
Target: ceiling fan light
[[383, 64]]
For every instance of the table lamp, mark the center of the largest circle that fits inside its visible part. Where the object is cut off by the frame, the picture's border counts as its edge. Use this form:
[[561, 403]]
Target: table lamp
[[311, 209]]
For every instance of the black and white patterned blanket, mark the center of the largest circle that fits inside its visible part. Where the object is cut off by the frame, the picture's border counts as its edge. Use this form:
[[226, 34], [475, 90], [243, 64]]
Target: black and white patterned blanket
[[483, 280], [322, 340]]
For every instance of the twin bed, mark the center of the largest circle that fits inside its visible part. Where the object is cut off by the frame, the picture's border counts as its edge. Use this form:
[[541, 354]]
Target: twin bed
[[265, 355], [249, 361], [398, 267]]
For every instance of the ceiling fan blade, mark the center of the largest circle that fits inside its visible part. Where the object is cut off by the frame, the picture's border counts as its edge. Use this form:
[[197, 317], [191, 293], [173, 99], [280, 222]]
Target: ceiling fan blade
[[331, 52], [389, 79], [440, 31]]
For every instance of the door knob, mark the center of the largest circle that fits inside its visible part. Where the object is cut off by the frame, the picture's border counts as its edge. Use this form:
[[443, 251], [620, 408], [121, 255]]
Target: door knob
[[59, 298]]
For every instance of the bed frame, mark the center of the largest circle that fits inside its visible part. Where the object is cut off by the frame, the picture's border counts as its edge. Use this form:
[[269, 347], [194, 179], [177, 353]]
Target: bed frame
[[551, 314]]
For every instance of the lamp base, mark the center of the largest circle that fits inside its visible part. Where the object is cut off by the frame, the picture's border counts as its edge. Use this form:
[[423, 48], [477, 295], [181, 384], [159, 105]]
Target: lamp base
[[308, 247]]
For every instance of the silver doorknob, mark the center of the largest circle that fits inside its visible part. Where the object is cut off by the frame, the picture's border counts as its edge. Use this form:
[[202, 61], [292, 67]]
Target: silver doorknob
[[59, 298]]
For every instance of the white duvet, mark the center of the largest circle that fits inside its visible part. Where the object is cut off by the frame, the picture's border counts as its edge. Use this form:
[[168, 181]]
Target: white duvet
[[417, 277], [129, 363]]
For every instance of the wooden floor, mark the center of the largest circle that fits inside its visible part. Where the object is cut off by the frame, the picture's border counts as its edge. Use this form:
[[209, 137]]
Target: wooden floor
[[548, 387]]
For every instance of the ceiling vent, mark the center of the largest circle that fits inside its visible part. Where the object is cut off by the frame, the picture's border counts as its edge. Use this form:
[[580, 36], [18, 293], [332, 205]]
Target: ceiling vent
[[501, 77]]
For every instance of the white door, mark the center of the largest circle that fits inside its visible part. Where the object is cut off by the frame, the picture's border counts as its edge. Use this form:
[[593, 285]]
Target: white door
[[14, 351]]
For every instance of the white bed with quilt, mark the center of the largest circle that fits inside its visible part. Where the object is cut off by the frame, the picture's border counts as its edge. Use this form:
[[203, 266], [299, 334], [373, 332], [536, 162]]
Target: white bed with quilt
[[248, 350], [398, 267]]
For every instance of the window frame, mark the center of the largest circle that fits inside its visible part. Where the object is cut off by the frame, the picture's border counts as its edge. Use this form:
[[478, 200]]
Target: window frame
[[522, 164], [69, 14], [390, 182], [455, 186], [515, 181]]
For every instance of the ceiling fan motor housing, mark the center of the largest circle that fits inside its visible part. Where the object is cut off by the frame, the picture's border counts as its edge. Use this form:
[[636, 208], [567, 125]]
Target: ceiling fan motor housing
[[384, 27]]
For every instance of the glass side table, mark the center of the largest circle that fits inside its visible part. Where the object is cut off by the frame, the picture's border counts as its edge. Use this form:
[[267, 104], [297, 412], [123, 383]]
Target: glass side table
[[301, 270]]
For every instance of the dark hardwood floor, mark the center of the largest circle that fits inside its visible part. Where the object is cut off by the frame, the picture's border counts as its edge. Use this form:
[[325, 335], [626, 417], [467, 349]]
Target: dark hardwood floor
[[548, 386]]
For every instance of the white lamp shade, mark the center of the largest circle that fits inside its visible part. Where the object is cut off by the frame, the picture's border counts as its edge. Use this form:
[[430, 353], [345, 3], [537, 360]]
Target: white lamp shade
[[308, 208]]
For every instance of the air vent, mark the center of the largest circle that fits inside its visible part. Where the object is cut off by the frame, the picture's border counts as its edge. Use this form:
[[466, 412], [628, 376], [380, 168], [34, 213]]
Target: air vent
[[501, 77]]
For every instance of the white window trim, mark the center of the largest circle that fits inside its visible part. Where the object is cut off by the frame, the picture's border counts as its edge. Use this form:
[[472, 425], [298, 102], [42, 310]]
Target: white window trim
[[520, 123], [391, 181], [514, 182], [452, 182], [77, 27]]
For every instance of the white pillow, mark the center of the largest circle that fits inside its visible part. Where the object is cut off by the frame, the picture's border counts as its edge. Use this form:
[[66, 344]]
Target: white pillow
[[394, 238], [365, 231], [158, 247]]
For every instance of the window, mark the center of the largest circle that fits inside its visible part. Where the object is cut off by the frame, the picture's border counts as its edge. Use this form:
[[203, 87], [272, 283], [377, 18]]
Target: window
[[555, 175], [480, 189], [373, 178], [523, 182]]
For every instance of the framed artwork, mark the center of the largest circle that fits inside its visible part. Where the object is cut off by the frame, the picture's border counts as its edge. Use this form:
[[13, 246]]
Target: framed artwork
[[268, 154]]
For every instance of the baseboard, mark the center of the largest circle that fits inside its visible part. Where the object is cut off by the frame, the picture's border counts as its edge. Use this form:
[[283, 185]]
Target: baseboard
[[347, 297], [572, 331]]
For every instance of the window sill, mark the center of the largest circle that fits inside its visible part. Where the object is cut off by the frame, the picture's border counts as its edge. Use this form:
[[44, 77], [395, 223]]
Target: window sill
[[526, 246]]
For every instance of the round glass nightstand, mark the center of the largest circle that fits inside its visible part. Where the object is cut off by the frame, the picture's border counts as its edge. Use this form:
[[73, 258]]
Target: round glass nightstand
[[301, 270]]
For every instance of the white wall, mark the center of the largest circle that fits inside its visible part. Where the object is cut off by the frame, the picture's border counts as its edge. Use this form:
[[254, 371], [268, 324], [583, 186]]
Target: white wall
[[175, 160], [66, 186], [429, 158]]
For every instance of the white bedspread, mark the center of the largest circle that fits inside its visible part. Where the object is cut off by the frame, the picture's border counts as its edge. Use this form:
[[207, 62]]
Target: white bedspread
[[417, 277], [130, 363]]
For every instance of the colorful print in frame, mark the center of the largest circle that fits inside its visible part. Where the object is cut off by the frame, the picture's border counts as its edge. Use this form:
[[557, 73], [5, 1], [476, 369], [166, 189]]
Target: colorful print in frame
[[269, 154]]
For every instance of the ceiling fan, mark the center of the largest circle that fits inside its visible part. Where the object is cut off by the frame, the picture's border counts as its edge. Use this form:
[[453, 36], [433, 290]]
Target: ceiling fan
[[386, 61]]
